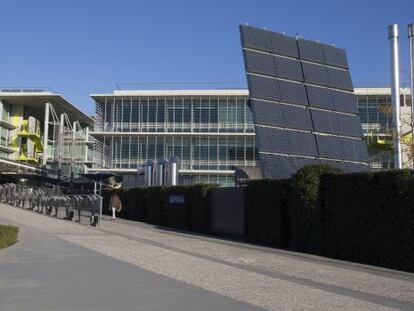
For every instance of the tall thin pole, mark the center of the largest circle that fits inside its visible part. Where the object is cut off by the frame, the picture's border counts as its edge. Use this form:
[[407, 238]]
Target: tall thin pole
[[411, 40], [395, 94]]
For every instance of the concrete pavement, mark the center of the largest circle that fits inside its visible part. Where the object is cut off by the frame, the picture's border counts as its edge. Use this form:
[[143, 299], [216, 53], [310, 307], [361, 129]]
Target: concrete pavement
[[59, 265]]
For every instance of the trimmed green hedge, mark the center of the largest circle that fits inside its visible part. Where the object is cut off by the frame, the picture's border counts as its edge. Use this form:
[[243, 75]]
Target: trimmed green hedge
[[305, 215], [8, 235], [266, 212], [361, 217], [369, 218], [151, 205]]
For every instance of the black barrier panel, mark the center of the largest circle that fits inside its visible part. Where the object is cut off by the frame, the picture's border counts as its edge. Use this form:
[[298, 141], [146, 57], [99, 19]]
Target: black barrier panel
[[297, 117], [294, 93], [284, 45], [311, 51], [226, 206], [256, 38], [288, 68], [264, 88], [335, 56], [268, 113], [260, 63], [315, 74], [272, 140], [319, 97], [302, 143], [278, 167]]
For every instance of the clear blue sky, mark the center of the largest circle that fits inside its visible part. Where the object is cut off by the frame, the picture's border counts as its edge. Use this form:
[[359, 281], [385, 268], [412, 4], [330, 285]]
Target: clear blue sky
[[83, 47]]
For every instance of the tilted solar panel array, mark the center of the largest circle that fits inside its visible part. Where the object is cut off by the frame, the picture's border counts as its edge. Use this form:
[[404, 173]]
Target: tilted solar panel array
[[303, 105]]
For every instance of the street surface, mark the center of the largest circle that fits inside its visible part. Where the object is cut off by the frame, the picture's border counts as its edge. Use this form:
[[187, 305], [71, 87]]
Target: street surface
[[61, 265]]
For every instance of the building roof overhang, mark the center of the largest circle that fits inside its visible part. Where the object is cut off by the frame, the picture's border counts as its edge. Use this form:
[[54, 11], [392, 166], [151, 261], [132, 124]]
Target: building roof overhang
[[36, 100], [171, 93]]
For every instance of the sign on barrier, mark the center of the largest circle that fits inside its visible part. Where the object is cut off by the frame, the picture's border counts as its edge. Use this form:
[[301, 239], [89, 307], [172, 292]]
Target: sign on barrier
[[176, 199]]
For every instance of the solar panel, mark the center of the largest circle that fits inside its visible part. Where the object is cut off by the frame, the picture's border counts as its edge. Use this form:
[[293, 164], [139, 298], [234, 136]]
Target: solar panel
[[348, 146], [345, 102], [319, 97], [329, 147], [278, 167], [337, 164], [340, 79], [284, 45], [264, 88], [259, 63], [336, 129], [288, 68], [302, 143], [254, 38], [322, 121], [310, 99], [335, 56], [294, 93], [299, 163], [272, 140], [315, 74], [349, 125], [360, 149], [357, 167], [297, 117], [310, 50], [268, 113]]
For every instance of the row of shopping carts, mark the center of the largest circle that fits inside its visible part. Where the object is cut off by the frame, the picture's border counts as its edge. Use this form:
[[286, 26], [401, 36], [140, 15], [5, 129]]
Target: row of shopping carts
[[51, 201]]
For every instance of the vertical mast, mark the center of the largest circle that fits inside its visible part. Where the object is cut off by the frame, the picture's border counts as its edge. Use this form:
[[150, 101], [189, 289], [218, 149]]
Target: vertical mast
[[395, 94]]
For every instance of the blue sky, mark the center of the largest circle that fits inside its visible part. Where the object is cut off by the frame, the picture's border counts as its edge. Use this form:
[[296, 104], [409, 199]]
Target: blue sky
[[83, 47]]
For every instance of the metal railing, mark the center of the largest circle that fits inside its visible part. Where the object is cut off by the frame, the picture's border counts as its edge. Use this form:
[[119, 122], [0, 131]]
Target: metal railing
[[50, 201]]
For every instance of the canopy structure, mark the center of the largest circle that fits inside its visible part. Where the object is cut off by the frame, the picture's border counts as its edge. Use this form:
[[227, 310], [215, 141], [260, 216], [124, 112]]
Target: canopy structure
[[111, 180]]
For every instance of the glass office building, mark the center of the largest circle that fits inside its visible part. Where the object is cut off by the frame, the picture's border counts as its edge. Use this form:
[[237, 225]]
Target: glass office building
[[210, 131], [375, 112], [43, 133]]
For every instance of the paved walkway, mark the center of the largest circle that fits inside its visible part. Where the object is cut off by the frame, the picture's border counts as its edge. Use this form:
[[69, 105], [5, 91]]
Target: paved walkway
[[61, 265]]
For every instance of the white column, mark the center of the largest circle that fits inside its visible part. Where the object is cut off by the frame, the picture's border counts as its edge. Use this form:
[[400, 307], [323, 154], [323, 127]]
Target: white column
[[395, 94], [1, 110], [46, 133], [86, 145], [60, 142], [74, 146]]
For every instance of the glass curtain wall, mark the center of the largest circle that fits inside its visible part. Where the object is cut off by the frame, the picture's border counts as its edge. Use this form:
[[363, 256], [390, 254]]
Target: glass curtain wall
[[207, 133], [375, 112], [174, 114], [196, 152]]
